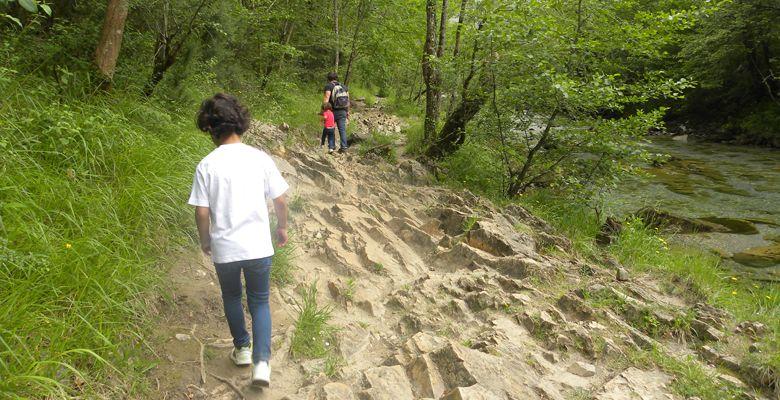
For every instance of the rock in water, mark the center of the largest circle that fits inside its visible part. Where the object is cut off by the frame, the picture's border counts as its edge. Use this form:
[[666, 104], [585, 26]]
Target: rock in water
[[759, 257], [734, 225], [665, 220]]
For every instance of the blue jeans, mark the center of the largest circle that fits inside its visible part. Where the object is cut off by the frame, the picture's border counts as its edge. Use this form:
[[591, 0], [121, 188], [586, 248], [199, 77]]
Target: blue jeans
[[329, 133], [341, 123], [256, 273]]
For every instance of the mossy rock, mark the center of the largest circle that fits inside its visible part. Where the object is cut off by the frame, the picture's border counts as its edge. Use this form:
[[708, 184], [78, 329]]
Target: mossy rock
[[763, 221], [735, 225], [759, 257], [674, 181], [665, 220], [772, 237]]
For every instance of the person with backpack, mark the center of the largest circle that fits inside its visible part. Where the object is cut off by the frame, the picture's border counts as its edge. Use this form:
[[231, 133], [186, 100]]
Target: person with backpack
[[229, 191], [338, 96]]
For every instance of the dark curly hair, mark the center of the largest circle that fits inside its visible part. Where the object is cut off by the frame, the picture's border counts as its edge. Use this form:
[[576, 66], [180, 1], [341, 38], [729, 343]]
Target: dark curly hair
[[222, 114]]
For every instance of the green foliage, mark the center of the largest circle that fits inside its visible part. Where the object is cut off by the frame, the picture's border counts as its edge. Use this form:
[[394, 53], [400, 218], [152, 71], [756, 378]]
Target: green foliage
[[691, 378], [333, 364], [732, 52], [378, 268], [284, 265], [380, 144], [643, 249], [349, 289], [476, 166], [313, 336], [90, 202], [469, 222], [297, 203]]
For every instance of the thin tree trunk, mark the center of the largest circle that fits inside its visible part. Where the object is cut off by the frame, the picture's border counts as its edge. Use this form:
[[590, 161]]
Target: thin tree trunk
[[453, 133], [442, 30], [461, 17], [167, 51], [429, 74], [110, 42], [286, 35], [336, 31], [518, 184], [361, 16]]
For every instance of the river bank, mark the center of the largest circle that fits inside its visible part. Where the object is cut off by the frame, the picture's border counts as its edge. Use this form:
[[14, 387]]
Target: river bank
[[722, 183]]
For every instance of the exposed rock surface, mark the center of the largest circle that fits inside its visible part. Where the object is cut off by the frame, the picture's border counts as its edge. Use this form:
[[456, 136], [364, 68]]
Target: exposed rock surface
[[441, 295]]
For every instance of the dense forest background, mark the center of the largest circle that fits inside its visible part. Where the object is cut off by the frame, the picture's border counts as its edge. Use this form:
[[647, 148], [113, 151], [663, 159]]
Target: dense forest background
[[503, 97]]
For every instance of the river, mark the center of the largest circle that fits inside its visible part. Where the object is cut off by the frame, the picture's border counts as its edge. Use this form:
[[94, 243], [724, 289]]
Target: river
[[713, 180]]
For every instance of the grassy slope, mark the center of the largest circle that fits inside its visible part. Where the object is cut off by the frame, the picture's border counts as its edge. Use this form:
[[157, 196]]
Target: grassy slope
[[690, 272], [92, 194]]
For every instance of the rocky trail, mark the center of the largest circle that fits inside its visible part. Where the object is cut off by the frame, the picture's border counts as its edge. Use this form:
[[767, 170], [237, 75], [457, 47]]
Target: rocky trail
[[440, 294]]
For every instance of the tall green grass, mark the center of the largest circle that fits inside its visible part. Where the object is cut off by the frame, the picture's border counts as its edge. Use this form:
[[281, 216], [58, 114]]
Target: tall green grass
[[644, 249], [92, 195], [313, 336]]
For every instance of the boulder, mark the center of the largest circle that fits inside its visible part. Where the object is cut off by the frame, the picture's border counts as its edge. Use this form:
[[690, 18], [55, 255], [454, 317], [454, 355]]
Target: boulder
[[426, 378], [336, 391], [461, 367], [387, 383], [665, 220], [452, 221], [752, 328], [498, 239], [622, 275], [582, 369], [474, 392], [705, 331], [609, 231], [634, 383]]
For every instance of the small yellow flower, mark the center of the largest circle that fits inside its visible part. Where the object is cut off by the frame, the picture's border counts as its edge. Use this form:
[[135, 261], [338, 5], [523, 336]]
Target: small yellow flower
[[68, 245], [734, 278], [734, 292]]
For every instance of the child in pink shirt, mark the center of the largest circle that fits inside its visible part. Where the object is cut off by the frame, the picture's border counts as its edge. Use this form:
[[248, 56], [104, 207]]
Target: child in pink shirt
[[329, 127]]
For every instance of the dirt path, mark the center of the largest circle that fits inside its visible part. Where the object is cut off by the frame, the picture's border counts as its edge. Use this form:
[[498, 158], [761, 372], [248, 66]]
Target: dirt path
[[436, 294]]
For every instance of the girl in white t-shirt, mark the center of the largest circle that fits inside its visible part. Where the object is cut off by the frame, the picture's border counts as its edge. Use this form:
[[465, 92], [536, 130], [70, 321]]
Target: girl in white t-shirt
[[230, 191]]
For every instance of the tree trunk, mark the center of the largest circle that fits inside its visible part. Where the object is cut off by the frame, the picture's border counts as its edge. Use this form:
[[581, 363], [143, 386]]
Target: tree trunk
[[166, 51], [442, 30], [429, 73], [286, 35], [361, 16], [453, 133], [111, 40], [336, 32], [461, 17], [518, 184]]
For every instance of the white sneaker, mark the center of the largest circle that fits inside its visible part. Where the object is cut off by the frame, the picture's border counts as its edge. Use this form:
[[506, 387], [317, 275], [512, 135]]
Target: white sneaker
[[261, 374], [242, 356]]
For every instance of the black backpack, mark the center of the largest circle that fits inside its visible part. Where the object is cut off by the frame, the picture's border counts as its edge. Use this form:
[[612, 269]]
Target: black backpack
[[339, 96]]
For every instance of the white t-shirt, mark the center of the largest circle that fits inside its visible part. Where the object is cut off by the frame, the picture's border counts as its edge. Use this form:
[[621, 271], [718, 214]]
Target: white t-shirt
[[235, 181]]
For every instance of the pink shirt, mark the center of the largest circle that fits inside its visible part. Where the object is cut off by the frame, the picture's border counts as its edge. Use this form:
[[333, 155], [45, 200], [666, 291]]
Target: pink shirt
[[330, 121]]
